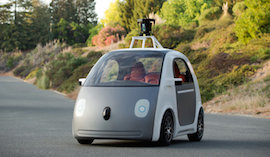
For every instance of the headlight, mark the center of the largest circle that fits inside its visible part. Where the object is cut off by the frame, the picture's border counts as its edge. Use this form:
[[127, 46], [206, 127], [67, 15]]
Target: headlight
[[80, 107], [142, 108]]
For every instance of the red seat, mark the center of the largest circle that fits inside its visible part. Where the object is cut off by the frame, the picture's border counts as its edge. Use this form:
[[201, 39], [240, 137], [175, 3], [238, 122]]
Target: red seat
[[152, 78], [177, 73]]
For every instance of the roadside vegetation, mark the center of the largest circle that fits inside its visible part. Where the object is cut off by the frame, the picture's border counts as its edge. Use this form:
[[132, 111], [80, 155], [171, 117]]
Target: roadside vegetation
[[227, 42], [57, 66], [250, 98]]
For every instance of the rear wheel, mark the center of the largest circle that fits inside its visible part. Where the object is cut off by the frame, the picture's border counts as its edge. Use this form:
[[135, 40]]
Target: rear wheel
[[85, 141], [167, 129], [197, 136]]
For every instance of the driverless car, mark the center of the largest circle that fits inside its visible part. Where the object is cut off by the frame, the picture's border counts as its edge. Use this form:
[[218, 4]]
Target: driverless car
[[143, 93]]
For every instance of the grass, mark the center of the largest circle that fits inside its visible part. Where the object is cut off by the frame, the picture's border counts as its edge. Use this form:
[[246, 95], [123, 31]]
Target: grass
[[252, 97], [249, 98]]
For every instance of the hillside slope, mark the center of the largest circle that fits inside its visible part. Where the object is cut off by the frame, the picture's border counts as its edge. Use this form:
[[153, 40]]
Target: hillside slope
[[251, 98]]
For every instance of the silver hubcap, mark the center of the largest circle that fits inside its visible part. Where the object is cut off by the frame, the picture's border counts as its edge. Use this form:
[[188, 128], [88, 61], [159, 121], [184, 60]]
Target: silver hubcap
[[168, 128], [200, 125]]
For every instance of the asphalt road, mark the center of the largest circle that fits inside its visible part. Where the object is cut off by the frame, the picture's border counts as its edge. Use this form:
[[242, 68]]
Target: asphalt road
[[36, 122]]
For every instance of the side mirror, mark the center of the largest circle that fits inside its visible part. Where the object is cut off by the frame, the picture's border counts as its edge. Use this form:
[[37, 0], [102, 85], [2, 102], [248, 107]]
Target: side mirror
[[81, 81], [178, 81]]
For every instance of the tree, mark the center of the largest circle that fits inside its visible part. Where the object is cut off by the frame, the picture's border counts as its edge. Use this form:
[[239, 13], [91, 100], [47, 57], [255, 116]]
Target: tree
[[131, 10], [254, 21], [86, 12], [5, 13], [16, 26], [112, 14], [92, 32], [63, 30], [63, 9], [80, 32], [126, 13], [40, 24], [25, 23], [183, 12], [5, 20], [71, 20]]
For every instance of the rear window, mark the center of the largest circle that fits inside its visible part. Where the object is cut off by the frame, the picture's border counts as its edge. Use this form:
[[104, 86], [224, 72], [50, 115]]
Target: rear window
[[133, 68]]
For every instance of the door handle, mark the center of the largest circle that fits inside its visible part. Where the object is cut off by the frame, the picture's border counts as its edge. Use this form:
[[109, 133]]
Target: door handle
[[178, 83]]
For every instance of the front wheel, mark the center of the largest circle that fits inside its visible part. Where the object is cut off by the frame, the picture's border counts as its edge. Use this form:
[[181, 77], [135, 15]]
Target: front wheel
[[85, 141], [167, 129], [197, 136]]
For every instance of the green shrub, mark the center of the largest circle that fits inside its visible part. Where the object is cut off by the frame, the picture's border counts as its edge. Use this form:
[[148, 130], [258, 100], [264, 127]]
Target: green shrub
[[201, 31], [10, 63], [78, 51], [23, 70], [42, 80], [70, 84], [93, 56], [184, 48], [211, 87], [206, 89], [123, 45], [9, 60], [212, 13], [262, 54], [239, 8], [196, 58], [19, 70], [62, 68], [183, 12], [236, 77], [39, 73], [92, 32], [170, 36], [254, 21]]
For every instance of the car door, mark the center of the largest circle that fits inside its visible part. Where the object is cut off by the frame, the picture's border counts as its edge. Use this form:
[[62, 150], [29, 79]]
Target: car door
[[185, 92]]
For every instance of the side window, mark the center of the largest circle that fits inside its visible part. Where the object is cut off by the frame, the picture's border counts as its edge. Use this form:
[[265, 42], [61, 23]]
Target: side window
[[181, 70], [110, 72]]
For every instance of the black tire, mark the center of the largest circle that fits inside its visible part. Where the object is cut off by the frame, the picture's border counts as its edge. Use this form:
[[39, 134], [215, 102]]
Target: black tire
[[167, 129], [85, 141], [197, 136]]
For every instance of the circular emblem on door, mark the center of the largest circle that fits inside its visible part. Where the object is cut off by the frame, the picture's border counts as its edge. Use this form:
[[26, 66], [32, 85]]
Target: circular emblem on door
[[106, 113]]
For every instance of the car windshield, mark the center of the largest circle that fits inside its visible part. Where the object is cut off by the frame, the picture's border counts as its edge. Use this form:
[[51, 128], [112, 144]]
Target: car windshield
[[132, 68]]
